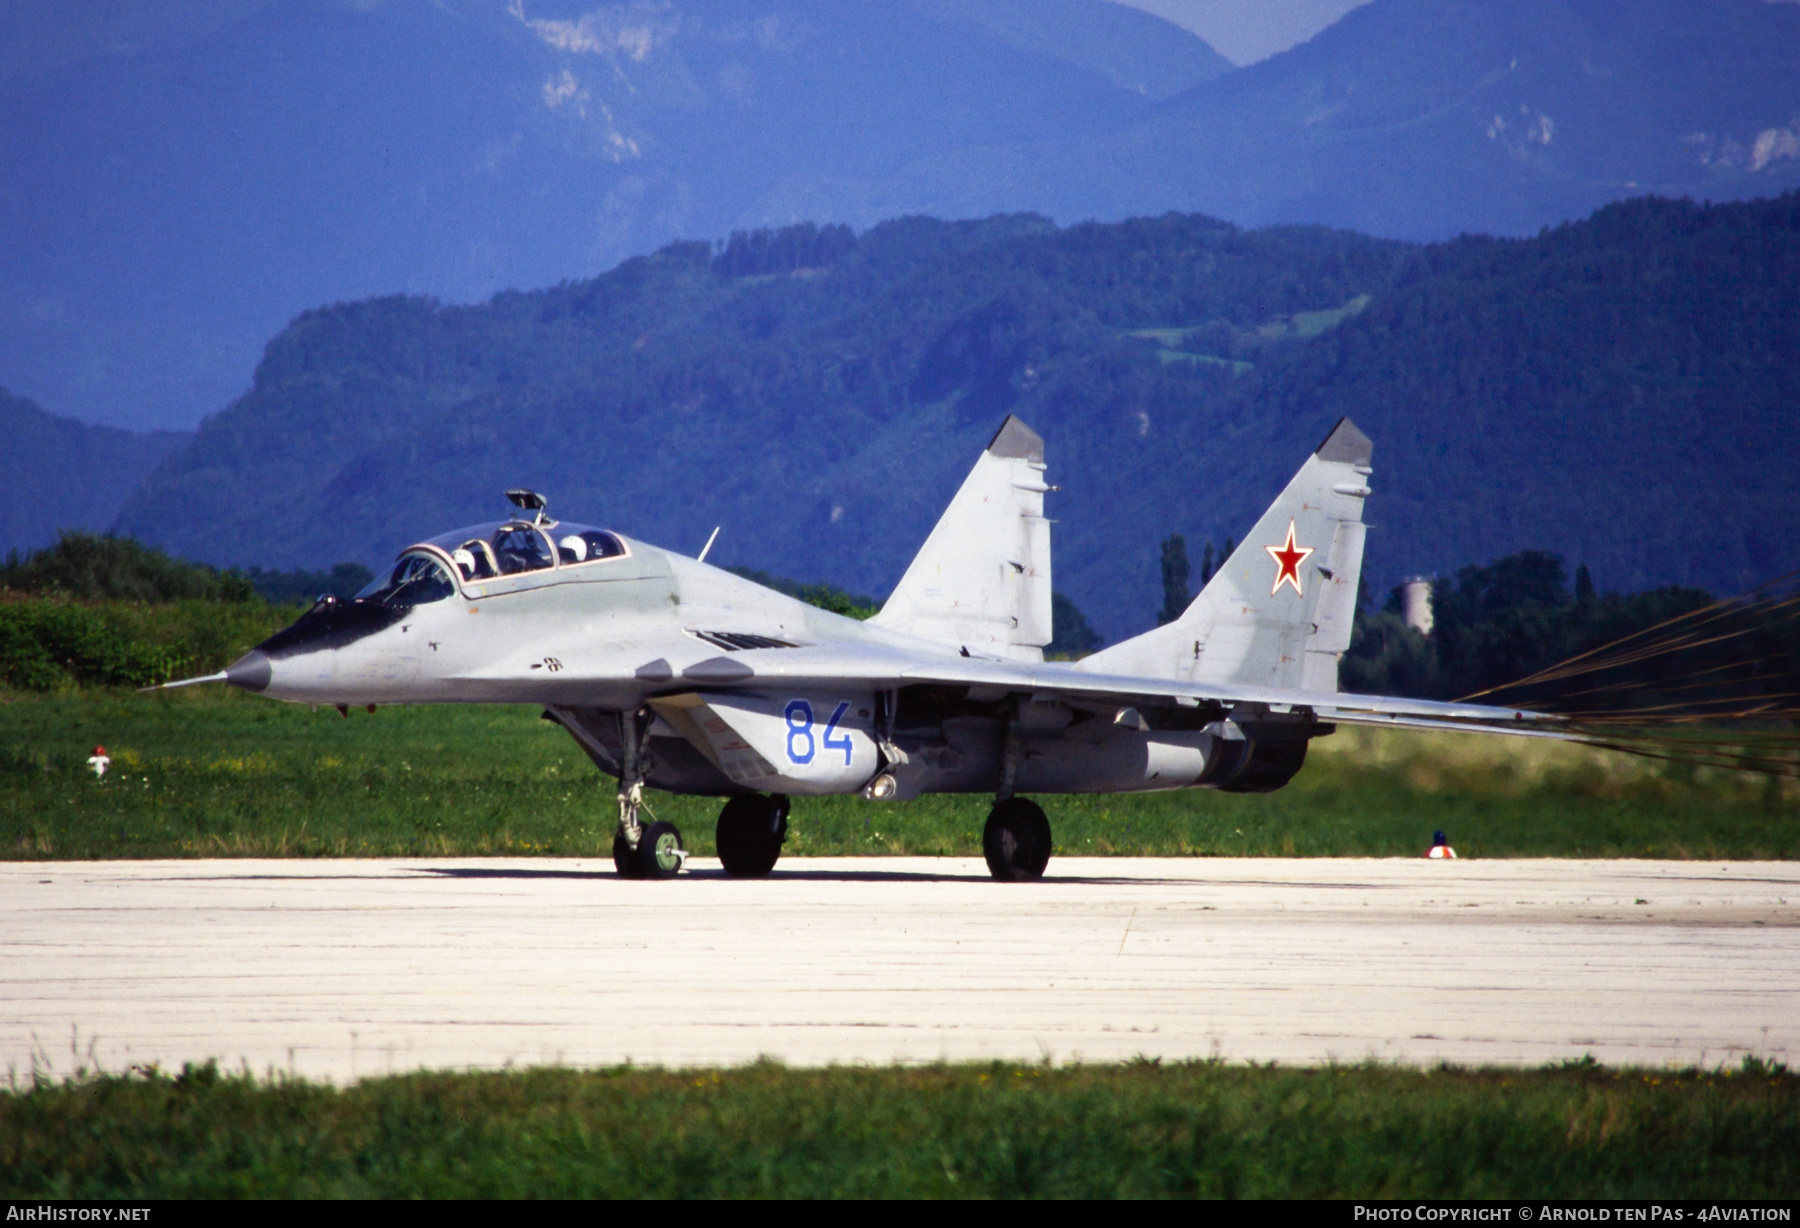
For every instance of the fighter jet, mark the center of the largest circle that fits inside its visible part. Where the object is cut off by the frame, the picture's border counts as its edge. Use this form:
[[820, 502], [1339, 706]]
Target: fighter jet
[[673, 674]]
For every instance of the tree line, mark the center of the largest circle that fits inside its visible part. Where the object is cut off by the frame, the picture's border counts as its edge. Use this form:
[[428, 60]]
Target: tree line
[[1499, 624]]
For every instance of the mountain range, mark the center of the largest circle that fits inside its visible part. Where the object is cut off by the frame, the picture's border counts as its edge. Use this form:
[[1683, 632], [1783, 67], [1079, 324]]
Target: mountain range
[[63, 474], [170, 202], [1621, 390]]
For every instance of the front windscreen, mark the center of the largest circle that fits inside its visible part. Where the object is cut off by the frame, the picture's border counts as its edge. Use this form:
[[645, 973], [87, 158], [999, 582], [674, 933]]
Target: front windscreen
[[414, 580]]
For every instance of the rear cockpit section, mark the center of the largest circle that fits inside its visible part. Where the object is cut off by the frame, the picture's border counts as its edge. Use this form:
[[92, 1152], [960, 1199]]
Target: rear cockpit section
[[519, 547], [515, 547], [576, 544], [489, 551]]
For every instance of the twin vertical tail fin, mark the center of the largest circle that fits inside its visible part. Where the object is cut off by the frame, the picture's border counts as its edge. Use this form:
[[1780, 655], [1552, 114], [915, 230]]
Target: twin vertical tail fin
[[1278, 612], [981, 582]]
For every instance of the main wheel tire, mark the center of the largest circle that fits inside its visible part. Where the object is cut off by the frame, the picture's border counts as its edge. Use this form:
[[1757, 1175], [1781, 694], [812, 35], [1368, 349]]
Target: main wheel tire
[[1016, 841], [750, 833]]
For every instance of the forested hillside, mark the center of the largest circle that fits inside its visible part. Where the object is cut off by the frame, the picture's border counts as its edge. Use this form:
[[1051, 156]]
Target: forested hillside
[[1625, 391], [1622, 391]]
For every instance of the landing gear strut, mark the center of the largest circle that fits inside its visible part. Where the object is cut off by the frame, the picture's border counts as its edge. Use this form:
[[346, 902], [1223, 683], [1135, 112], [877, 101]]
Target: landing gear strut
[[639, 850], [1016, 840], [751, 829]]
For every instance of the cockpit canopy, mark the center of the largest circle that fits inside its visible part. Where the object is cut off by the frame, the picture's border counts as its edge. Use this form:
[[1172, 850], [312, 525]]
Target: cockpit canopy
[[488, 551]]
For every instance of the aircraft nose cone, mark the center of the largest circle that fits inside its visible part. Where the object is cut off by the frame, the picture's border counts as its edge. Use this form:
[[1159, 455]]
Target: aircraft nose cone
[[250, 672]]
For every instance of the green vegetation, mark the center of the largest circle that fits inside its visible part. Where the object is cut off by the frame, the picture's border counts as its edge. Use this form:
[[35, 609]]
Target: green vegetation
[[107, 567], [211, 772], [110, 611], [825, 596], [1221, 342], [45, 644], [1073, 637], [89, 567], [1312, 323], [1174, 579], [1139, 1130], [1234, 365], [302, 587], [1496, 624]]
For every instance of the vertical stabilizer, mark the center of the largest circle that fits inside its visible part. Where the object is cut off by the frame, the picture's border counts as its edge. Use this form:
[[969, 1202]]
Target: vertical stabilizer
[[1278, 612], [982, 579]]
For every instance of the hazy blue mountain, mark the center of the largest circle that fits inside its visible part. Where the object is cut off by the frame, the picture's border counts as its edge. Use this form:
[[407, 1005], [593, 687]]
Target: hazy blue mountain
[[63, 474], [167, 208], [1621, 390], [1427, 118], [1135, 51], [205, 170]]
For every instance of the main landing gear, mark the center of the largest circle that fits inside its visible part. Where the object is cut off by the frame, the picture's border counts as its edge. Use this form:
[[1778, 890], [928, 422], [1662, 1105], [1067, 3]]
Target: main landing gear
[[1016, 840], [751, 830]]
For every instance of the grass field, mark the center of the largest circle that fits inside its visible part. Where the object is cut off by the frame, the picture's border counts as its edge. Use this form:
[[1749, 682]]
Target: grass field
[[1137, 1130], [216, 773], [209, 772]]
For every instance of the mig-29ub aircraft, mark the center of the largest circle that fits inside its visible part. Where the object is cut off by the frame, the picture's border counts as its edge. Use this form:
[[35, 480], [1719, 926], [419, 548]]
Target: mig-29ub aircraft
[[677, 675]]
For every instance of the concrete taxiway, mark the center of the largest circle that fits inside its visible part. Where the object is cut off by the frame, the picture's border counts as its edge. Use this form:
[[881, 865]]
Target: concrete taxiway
[[346, 969]]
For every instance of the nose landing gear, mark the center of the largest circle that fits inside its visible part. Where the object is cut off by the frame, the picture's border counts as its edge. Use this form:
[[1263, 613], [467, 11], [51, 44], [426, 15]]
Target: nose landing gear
[[641, 850], [750, 833]]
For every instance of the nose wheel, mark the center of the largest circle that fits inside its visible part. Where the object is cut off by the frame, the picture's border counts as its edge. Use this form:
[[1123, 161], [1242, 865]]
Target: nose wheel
[[658, 853], [1016, 840], [750, 833]]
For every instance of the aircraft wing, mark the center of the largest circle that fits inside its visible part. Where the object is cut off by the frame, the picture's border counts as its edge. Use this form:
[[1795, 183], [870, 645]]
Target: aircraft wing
[[675, 664], [882, 666]]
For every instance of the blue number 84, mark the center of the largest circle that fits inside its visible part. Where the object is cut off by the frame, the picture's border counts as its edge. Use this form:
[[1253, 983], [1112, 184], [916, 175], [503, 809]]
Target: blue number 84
[[800, 745]]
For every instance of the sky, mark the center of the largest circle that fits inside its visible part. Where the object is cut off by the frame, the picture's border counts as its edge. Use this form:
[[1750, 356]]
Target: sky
[[1245, 31], [37, 35]]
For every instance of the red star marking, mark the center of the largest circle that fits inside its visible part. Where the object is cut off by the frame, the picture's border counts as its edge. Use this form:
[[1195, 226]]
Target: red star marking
[[1288, 558]]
